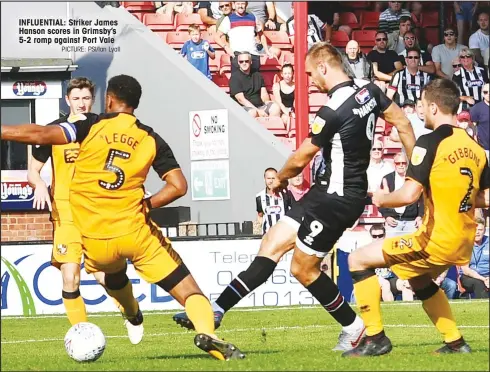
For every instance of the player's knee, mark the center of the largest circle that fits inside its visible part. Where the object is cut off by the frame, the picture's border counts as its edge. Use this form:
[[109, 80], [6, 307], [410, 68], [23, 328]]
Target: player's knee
[[427, 292], [71, 280], [420, 282], [296, 269], [100, 277], [116, 281]]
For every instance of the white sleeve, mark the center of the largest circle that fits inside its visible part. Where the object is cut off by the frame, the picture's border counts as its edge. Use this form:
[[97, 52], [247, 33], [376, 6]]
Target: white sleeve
[[473, 43], [225, 25]]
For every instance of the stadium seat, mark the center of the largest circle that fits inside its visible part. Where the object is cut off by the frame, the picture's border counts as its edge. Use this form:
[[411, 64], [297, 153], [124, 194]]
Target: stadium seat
[[139, 6], [339, 39], [182, 21], [292, 127], [209, 36], [162, 35], [269, 64], [430, 19], [380, 126], [365, 38], [225, 63], [268, 79], [274, 125], [222, 81], [391, 146], [286, 57], [369, 20], [316, 100], [289, 142], [355, 4], [139, 16], [159, 22], [349, 19], [366, 50], [432, 35], [177, 39], [215, 64], [279, 39]]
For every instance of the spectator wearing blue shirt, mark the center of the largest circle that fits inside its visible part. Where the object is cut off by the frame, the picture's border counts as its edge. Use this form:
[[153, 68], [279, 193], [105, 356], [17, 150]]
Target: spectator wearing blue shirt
[[475, 275], [198, 51]]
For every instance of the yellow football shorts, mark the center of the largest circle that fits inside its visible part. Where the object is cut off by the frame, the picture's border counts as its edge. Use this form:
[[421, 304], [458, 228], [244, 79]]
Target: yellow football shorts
[[150, 252], [408, 259], [67, 244]]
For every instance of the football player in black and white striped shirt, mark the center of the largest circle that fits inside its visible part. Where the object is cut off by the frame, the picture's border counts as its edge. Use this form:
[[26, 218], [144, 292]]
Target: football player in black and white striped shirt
[[408, 83], [470, 79], [271, 207]]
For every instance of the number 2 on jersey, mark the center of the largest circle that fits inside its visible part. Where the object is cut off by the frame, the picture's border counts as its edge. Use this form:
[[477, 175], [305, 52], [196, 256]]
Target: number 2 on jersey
[[109, 166], [465, 204]]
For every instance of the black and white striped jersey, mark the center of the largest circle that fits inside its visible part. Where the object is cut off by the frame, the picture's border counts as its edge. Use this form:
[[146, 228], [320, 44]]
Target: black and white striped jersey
[[344, 129], [471, 82], [408, 86], [273, 207]]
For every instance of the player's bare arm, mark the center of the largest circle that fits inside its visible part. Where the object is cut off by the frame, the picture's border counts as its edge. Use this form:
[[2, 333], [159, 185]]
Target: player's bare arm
[[34, 134], [394, 115], [295, 164], [41, 193], [408, 194], [483, 199], [175, 187]]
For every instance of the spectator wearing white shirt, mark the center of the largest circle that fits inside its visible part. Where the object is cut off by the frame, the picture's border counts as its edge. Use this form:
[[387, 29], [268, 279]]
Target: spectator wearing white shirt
[[479, 41], [417, 121], [378, 168], [425, 62]]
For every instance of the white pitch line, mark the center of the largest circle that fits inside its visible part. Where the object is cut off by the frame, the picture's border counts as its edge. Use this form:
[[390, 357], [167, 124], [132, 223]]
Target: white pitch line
[[282, 328], [237, 310]]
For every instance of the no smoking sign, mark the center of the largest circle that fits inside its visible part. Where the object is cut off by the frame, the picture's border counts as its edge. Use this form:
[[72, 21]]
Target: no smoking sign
[[196, 125]]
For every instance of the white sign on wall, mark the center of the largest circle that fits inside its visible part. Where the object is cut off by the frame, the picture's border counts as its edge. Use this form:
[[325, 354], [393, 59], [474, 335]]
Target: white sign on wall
[[30, 285], [210, 180], [209, 134]]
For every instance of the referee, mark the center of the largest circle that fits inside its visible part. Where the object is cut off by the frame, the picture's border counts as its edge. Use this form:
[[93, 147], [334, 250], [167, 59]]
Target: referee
[[408, 83], [470, 79]]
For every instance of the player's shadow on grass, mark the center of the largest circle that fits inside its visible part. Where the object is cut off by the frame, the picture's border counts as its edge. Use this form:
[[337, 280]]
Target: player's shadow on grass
[[205, 356]]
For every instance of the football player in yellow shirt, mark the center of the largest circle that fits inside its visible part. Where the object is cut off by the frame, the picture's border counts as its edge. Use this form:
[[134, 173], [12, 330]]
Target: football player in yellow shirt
[[451, 169], [109, 209]]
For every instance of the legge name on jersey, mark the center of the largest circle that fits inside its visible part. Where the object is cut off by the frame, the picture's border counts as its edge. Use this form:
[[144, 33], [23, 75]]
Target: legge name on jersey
[[462, 153], [366, 109], [122, 138]]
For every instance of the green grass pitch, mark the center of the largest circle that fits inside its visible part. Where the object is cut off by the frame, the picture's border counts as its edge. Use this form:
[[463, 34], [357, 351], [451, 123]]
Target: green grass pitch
[[274, 339]]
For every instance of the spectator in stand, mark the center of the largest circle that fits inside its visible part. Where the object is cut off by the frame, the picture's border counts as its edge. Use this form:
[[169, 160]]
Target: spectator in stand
[[270, 206], [396, 40], [464, 11], [327, 11], [416, 15], [480, 116], [283, 92], [408, 83], [298, 186], [198, 51], [463, 120], [475, 276], [401, 220], [444, 54], [167, 7], [417, 121], [389, 19], [448, 285], [211, 11], [470, 79], [378, 168], [408, 107], [425, 61], [479, 41], [226, 8], [385, 62], [316, 29], [248, 89], [266, 15], [241, 28], [336, 26], [356, 63]]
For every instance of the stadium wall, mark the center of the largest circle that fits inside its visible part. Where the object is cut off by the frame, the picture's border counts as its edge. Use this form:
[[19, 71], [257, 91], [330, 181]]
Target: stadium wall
[[172, 88]]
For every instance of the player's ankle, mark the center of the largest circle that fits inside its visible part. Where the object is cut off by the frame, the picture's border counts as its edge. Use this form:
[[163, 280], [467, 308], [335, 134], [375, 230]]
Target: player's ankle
[[356, 325], [216, 307]]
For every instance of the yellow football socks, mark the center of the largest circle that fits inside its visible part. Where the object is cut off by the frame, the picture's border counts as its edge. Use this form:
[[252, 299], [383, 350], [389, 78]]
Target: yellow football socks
[[128, 304], [368, 299], [438, 309], [75, 309]]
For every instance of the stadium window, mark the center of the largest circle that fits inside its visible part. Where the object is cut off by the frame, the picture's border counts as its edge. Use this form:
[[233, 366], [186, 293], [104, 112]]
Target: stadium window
[[14, 156]]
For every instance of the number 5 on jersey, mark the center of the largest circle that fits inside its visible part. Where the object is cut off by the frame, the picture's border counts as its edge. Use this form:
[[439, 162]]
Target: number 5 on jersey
[[109, 166]]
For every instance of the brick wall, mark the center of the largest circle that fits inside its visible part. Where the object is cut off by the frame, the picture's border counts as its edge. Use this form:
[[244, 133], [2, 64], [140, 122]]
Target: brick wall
[[24, 226]]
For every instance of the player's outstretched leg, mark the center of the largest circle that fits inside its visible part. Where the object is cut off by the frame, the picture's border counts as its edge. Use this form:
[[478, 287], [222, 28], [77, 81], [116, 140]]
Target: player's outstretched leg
[[275, 243], [200, 313], [119, 287], [73, 301], [368, 297], [306, 268], [436, 305]]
